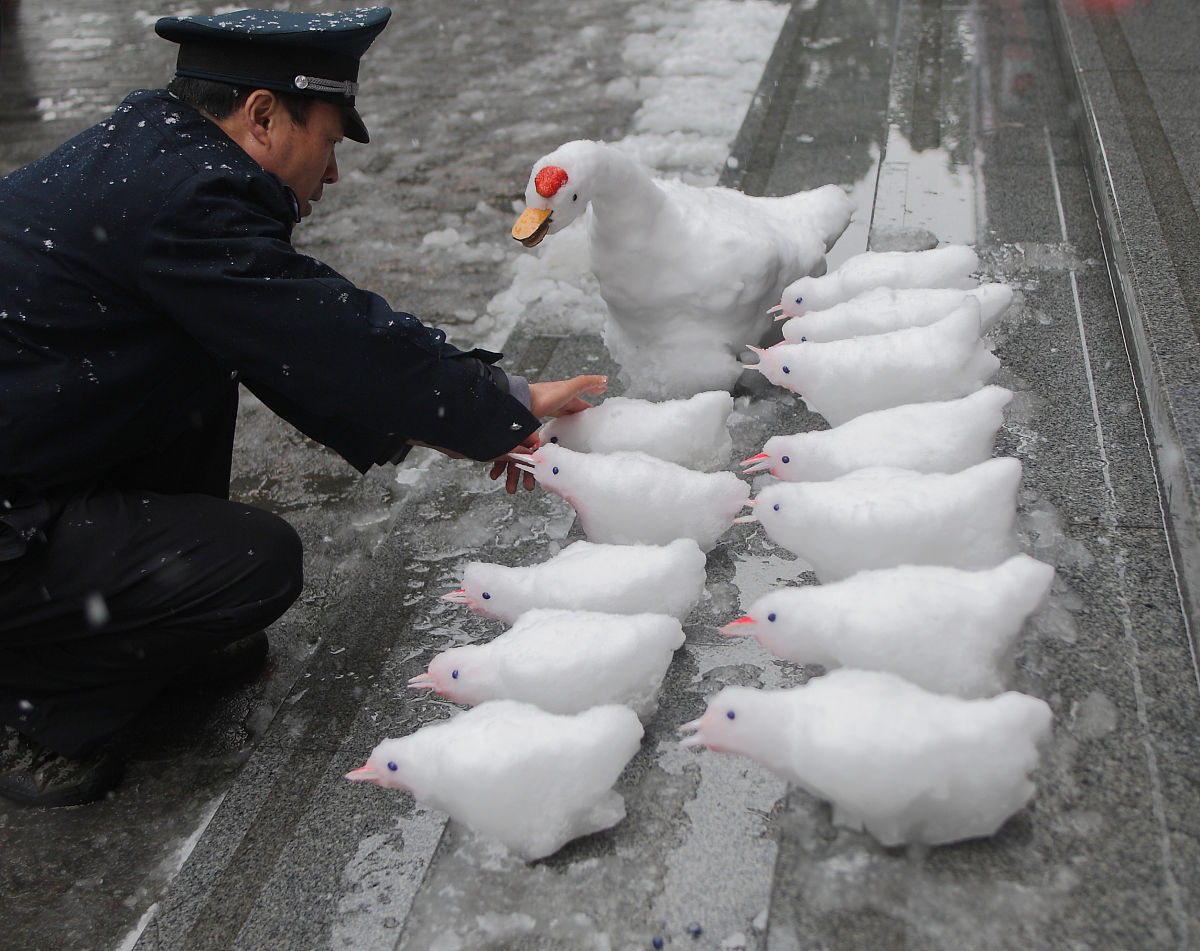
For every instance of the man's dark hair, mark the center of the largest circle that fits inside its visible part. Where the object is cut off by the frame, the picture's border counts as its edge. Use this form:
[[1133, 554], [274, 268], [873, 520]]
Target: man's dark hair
[[221, 100]]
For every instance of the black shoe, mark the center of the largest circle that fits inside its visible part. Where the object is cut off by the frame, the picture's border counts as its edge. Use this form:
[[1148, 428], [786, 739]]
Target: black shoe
[[234, 663], [31, 775]]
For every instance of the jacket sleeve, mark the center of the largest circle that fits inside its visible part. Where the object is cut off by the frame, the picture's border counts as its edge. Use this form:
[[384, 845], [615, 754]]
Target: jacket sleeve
[[333, 359]]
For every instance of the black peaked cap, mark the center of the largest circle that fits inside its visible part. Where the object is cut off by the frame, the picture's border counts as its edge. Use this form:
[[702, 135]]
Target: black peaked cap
[[310, 54]]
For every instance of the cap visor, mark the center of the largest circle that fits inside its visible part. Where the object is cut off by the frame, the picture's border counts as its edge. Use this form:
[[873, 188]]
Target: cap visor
[[352, 125]]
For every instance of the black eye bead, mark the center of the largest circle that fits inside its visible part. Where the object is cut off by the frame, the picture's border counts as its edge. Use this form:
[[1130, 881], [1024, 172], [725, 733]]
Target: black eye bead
[[730, 714], [393, 767], [574, 198], [454, 674], [554, 439]]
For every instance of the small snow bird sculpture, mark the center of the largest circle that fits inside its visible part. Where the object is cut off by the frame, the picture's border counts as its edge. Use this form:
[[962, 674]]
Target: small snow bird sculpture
[[585, 576], [945, 436], [688, 273], [846, 378], [948, 266], [945, 629], [630, 498], [511, 771], [885, 309], [881, 518], [562, 661], [692, 432], [905, 764]]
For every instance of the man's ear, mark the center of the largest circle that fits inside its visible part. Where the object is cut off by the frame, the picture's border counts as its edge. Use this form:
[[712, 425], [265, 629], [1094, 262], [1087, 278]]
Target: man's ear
[[262, 109]]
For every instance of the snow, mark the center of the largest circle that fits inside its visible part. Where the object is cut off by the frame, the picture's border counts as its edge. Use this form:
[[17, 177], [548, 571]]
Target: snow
[[672, 66], [562, 661], [687, 273], [689, 432], [909, 523], [942, 628], [948, 266], [905, 764], [630, 498], [625, 579], [882, 518], [531, 780], [846, 378], [945, 436], [883, 309]]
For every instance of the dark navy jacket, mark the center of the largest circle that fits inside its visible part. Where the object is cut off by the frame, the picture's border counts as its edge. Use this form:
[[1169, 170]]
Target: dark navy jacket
[[146, 266]]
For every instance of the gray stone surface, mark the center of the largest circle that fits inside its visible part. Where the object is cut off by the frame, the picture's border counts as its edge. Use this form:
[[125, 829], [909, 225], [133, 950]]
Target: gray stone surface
[[948, 120], [1132, 80]]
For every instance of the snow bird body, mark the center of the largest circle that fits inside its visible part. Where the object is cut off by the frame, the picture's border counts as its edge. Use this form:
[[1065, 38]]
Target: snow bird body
[[881, 518], [689, 432], [586, 576], [950, 266], [942, 628], [885, 309], [905, 764], [630, 498], [846, 378], [942, 436], [688, 273], [532, 780], [562, 661]]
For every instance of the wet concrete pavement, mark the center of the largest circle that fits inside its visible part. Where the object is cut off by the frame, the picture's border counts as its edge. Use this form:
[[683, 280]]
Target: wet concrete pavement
[[1019, 126]]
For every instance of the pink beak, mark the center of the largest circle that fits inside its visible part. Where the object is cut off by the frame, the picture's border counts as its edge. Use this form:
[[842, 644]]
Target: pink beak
[[364, 774], [697, 737], [760, 462], [423, 681], [743, 519], [733, 628], [456, 597]]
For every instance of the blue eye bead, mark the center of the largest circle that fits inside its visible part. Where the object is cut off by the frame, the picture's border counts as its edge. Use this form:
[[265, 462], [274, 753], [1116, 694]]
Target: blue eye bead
[[486, 596], [799, 300], [785, 460], [555, 470], [454, 674], [775, 506], [804, 340], [771, 616], [393, 767], [786, 370], [657, 942], [730, 714]]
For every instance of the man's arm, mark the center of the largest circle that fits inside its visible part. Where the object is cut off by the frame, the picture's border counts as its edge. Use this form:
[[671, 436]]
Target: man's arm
[[552, 398]]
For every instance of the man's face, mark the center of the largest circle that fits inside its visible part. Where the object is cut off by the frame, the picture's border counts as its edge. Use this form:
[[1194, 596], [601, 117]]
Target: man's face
[[305, 158]]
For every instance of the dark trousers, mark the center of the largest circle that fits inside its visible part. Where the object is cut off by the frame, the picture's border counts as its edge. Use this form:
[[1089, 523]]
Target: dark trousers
[[128, 588]]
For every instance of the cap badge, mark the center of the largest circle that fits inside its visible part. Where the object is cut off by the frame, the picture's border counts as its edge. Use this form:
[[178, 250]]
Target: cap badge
[[344, 86]]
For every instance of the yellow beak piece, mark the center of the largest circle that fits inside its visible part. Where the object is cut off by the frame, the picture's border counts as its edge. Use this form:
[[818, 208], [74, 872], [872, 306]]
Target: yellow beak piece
[[532, 226]]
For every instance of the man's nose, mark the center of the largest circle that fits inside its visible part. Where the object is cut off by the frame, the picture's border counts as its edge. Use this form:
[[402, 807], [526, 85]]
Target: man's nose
[[331, 172]]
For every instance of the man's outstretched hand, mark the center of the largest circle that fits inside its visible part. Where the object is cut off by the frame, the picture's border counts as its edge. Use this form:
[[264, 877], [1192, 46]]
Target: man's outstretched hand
[[554, 398], [562, 397]]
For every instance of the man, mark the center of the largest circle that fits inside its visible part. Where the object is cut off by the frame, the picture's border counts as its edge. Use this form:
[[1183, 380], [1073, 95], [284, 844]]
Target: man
[[146, 269]]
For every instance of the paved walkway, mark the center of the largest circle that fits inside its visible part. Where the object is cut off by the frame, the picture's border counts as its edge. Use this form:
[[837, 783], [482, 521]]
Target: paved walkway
[[1004, 124]]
